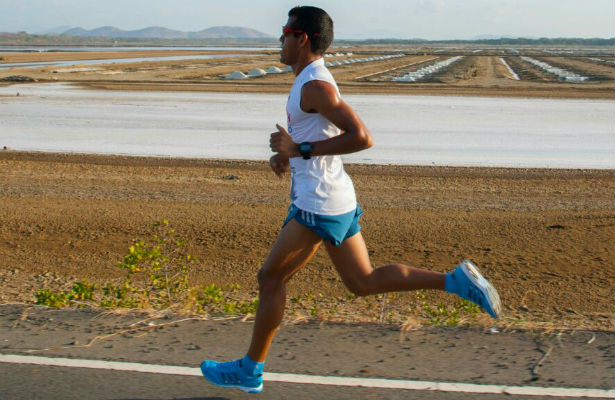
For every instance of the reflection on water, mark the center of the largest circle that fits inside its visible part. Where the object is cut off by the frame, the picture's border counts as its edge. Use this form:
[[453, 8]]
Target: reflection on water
[[417, 130]]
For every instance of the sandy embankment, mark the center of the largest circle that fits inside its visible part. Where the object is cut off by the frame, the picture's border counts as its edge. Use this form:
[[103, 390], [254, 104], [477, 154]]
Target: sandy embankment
[[543, 236]]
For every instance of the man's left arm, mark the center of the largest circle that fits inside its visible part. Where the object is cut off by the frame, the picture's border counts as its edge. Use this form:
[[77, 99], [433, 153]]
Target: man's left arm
[[321, 97]]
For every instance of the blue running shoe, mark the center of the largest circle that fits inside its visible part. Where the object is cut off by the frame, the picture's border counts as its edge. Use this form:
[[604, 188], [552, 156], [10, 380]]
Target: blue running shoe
[[467, 282], [231, 374]]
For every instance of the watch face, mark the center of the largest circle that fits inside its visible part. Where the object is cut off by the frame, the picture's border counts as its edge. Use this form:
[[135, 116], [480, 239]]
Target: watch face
[[305, 148]]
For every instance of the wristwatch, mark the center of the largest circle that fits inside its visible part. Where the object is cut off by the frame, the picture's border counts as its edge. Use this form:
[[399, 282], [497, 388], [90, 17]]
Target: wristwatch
[[305, 149]]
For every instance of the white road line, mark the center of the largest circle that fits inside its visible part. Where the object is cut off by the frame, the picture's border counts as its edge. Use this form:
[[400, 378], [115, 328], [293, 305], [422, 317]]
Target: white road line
[[319, 380]]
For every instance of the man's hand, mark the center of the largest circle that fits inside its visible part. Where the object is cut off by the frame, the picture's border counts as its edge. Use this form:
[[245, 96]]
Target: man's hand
[[279, 164], [281, 142]]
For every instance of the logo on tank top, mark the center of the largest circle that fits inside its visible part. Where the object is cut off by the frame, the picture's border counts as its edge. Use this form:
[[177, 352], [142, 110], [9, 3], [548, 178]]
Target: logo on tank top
[[288, 123]]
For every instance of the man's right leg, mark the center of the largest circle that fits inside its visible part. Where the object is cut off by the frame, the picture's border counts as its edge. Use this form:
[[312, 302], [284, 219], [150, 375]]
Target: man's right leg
[[293, 248]]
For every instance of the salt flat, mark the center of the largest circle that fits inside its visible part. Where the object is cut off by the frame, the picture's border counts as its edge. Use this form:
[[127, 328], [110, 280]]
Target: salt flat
[[413, 130]]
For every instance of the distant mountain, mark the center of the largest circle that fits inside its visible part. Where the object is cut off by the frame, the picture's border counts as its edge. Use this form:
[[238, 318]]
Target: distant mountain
[[230, 32], [105, 31], [113, 32], [158, 32]]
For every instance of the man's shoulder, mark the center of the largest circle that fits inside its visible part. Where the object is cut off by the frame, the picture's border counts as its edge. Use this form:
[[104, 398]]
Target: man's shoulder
[[318, 92], [318, 87]]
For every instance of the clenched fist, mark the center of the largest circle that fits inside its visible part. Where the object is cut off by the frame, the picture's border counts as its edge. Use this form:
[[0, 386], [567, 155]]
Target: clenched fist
[[279, 164], [281, 142]]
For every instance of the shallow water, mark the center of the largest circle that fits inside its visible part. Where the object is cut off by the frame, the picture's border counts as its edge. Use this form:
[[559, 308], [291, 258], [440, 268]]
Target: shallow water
[[417, 130]]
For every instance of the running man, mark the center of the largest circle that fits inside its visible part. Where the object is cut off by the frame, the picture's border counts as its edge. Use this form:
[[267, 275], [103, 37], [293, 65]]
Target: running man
[[320, 127]]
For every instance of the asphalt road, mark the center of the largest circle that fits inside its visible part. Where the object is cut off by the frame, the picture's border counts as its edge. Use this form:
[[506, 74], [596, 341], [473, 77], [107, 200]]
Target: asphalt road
[[468, 355]]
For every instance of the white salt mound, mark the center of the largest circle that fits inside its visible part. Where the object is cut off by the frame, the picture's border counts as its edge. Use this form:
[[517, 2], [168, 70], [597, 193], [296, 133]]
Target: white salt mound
[[257, 72], [236, 75]]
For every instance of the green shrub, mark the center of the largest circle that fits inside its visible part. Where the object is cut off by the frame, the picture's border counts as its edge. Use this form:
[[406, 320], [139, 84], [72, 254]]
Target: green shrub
[[446, 314], [156, 277]]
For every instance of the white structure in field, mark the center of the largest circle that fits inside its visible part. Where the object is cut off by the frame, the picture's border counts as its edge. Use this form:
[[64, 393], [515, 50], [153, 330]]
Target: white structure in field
[[559, 72], [336, 63], [236, 75], [426, 71], [601, 60], [512, 72], [256, 72]]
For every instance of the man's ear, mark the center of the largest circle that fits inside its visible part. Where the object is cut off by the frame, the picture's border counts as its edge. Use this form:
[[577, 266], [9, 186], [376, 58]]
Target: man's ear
[[304, 41]]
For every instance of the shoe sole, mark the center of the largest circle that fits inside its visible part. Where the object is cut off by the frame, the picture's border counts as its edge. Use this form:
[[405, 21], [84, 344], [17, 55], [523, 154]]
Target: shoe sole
[[251, 390], [493, 298]]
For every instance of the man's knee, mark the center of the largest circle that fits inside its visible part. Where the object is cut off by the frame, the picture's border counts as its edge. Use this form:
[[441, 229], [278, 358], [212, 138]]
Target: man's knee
[[360, 291], [261, 276], [267, 279], [360, 287]]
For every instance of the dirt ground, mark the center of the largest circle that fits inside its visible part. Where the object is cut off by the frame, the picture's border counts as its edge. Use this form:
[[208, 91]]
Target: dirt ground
[[474, 75], [544, 237]]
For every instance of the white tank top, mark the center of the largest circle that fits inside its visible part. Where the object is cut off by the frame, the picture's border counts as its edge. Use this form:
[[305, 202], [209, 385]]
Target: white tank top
[[318, 185]]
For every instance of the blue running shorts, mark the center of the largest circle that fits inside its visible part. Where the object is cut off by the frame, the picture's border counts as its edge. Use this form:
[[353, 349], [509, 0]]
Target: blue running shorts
[[333, 228]]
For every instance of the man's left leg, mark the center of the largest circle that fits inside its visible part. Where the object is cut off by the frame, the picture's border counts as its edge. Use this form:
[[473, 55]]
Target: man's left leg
[[351, 260], [352, 263]]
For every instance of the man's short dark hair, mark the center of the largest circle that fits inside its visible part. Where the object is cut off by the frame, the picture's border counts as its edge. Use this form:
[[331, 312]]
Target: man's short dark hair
[[316, 23]]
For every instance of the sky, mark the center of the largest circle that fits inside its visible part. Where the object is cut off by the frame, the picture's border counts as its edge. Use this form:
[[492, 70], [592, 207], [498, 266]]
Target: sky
[[357, 19]]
